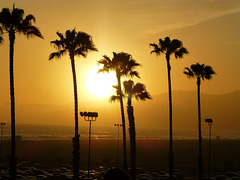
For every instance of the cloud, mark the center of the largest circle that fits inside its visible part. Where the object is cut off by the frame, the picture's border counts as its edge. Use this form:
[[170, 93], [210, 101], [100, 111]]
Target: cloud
[[157, 16]]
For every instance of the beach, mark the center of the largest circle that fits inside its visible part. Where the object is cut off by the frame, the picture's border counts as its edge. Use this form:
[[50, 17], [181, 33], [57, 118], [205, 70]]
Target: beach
[[152, 154]]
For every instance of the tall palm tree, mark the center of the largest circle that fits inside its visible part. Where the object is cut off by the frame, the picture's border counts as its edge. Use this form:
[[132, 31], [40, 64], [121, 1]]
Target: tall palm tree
[[139, 92], [169, 47], [75, 44], [12, 22], [199, 71], [123, 64]]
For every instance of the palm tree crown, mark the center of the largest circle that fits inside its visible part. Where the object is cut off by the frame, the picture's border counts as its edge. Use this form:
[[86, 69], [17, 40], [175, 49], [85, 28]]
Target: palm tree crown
[[199, 71], [122, 63], [138, 91], [168, 47], [75, 43], [13, 20]]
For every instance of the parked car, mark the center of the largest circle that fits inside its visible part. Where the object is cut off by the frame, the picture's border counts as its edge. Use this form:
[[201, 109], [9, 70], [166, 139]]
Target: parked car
[[222, 177]]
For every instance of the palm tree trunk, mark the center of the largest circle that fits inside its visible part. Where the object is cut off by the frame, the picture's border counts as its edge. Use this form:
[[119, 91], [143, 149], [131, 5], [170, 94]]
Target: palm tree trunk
[[123, 125], [170, 155], [132, 132], [13, 161], [76, 145], [199, 130]]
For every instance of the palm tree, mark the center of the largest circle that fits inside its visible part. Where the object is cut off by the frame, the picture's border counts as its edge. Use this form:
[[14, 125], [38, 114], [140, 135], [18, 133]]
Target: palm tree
[[73, 43], [199, 71], [139, 92], [12, 22], [123, 64], [169, 47]]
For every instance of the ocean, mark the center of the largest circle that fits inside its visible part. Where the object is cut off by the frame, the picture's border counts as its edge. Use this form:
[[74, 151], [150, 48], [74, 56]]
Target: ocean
[[50, 132]]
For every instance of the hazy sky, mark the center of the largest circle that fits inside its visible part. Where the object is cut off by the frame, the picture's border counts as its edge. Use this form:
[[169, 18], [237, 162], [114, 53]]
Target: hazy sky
[[209, 29]]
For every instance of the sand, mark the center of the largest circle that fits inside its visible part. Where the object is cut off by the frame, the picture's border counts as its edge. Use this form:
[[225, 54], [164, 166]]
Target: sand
[[152, 154]]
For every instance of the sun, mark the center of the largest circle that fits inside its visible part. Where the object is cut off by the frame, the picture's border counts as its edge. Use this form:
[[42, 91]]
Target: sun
[[100, 84]]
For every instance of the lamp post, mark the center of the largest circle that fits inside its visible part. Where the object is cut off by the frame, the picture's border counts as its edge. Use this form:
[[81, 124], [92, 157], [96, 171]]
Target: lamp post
[[89, 116], [2, 124], [209, 121], [117, 125]]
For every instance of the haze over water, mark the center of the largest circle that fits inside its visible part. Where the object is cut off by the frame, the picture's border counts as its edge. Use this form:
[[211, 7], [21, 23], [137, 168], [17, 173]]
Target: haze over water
[[50, 132]]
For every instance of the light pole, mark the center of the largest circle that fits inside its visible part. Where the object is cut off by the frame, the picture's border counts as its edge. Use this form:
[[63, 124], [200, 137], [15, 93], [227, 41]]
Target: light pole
[[89, 116], [2, 124], [118, 125], [209, 121]]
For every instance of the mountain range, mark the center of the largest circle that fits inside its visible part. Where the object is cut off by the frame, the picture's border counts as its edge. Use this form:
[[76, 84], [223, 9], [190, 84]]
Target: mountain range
[[223, 109]]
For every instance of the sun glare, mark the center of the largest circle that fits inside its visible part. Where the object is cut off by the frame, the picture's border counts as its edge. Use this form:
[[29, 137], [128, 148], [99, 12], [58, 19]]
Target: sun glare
[[100, 84]]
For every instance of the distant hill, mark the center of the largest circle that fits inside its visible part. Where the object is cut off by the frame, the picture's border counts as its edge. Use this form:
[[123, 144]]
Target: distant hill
[[223, 109]]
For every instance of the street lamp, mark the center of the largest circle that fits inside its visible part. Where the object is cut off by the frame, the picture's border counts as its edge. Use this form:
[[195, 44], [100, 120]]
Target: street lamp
[[209, 121], [2, 124], [118, 125], [89, 116]]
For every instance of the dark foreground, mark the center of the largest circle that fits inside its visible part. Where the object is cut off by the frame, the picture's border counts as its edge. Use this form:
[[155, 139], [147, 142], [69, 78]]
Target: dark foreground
[[52, 158]]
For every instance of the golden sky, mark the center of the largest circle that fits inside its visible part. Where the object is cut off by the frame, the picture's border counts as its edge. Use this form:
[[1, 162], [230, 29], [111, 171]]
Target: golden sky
[[209, 29]]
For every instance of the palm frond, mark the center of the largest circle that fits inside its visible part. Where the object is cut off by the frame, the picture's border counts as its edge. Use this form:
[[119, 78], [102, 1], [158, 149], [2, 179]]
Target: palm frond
[[161, 42], [188, 72], [166, 43], [54, 55], [181, 52], [81, 51], [175, 43], [131, 64], [198, 69], [114, 98], [17, 16], [208, 72], [29, 17], [85, 40], [156, 49], [138, 88], [134, 73], [60, 35], [107, 64], [103, 70], [174, 46], [143, 96], [106, 60], [33, 31], [115, 86], [140, 92], [58, 44], [5, 19]]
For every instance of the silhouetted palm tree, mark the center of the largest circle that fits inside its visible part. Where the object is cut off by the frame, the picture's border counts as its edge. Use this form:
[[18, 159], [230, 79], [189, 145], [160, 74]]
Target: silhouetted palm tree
[[123, 64], [12, 22], [75, 44], [199, 71], [139, 92], [169, 47]]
